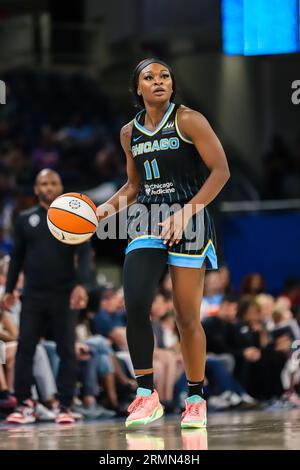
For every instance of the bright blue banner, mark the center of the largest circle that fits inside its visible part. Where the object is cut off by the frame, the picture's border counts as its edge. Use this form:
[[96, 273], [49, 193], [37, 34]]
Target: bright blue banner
[[233, 26], [254, 27]]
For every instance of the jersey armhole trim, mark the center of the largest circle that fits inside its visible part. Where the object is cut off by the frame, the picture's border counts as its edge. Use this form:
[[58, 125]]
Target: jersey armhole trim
[[179, 132]]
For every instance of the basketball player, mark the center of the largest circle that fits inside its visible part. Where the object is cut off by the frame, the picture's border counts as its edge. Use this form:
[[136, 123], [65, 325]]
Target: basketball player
[[167, 147], [54, 290]]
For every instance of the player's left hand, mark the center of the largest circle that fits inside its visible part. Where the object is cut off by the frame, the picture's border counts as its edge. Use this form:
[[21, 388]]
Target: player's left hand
[[173, 227], [79, 298]]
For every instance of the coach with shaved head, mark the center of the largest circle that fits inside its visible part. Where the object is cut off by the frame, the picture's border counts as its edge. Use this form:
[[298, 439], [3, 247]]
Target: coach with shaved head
[[55, 275]]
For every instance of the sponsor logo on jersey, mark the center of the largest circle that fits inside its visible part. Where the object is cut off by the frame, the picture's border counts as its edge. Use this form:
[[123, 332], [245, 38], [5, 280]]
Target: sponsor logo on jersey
[[155, 145], [159, 188]]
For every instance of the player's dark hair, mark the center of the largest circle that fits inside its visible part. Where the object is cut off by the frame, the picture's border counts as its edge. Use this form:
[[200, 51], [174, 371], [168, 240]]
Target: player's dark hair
[[139, 102]]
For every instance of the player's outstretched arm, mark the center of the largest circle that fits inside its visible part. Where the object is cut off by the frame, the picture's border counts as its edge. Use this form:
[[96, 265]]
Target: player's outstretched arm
[[130, 189]]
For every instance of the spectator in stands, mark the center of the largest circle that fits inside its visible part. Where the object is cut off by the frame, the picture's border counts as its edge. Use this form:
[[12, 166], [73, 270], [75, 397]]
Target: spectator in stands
[[109, 322], [252, 284], [46, 154], [266, 303], [223, 390], [120, 301], [295, 324], [213, 294], [225, 280], [158, 309], [16, 160], [222, 337], [108, 164], [291, 373], [8, 335], [166, 361], [292, 291], [166, 285], [265, 359], [282, 314], [77, 131], [224, 351], [4, 263], [7, 205], [108, 367], [7, 400], [92, 363]]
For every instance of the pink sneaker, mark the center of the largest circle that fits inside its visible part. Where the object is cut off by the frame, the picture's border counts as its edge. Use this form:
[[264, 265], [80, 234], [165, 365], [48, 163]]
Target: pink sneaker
[[64, 416], [24, 414], [144, 409], [194, 415]]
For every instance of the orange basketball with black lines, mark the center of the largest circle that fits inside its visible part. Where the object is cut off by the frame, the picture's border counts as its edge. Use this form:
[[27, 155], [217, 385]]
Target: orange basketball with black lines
[[72, 218]]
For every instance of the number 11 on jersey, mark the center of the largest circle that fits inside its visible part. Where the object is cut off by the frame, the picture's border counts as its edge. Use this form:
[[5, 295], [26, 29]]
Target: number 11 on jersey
[[154, 167]]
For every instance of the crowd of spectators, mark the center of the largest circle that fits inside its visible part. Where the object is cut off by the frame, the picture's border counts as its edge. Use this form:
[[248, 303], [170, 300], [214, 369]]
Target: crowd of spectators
[[58, 121], [66, 123], [251, 362]]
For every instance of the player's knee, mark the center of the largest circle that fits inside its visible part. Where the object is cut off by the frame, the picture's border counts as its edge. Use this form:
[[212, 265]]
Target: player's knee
[[135, 308], [189, 322]]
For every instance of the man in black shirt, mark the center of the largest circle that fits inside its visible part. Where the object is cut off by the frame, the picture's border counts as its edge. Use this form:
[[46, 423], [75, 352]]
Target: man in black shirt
[[55, 275], [224, 336]]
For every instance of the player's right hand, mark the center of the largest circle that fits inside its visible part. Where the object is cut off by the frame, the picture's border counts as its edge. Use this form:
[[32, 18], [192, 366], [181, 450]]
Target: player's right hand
[[8, 301]]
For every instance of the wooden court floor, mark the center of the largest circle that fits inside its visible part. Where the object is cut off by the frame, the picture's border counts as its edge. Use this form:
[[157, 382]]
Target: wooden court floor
[[248, 430]]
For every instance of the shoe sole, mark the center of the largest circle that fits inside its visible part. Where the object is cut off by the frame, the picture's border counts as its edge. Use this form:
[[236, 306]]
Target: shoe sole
[[157, 414], [199, 425], [64, 421], [20, 421]]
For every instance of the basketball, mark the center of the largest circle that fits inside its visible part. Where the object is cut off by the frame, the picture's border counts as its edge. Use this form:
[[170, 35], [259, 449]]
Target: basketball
[[72, 218]]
